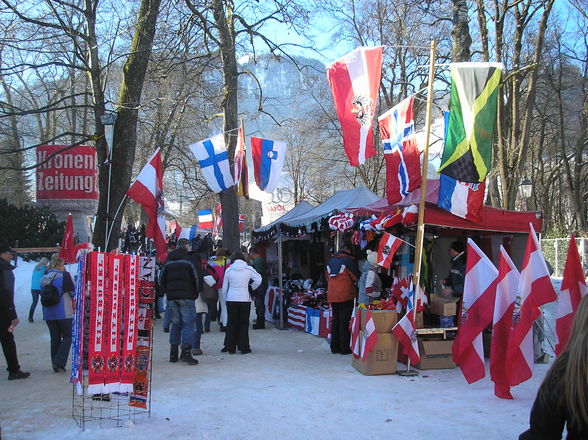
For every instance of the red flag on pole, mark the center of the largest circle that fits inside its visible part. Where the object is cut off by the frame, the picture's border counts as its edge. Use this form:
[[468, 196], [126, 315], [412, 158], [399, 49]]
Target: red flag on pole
[[147, 190], [476, 313], [573, 289], [354, 81], [67, 250], [535, 289], [506, 293], [405, 332], [354, 327]]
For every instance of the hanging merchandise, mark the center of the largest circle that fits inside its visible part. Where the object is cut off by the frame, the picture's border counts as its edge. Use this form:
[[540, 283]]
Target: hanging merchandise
[[403, 163], [77, 333], [292, 231], [354, 81], [410, 215], [264, 235], [467, 153], [98, 334], [130, 315], [366, 225], [341, 222], [356, 238]]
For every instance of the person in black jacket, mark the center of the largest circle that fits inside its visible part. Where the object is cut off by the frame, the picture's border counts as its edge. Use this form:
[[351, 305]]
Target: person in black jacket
[[179, 279], [562, 398], [8, 317], [455, 279]]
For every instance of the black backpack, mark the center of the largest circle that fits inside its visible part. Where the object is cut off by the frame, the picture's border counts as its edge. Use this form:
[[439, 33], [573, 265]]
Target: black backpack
[[50, 295]]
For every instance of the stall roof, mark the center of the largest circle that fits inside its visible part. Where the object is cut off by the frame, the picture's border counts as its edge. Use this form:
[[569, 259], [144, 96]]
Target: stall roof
[[493, 219], [340, 201], [298, 210]]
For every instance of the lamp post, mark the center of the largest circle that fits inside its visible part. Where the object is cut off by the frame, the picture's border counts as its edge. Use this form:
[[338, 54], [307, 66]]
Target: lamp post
[[525, 191], [108, 120]]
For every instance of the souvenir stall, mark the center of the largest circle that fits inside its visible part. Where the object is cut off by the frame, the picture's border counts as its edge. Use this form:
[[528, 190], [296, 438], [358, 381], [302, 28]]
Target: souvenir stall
[[112, 340]]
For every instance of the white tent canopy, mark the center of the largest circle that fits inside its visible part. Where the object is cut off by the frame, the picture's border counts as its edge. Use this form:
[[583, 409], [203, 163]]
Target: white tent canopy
[[298, 210], [340, 201]]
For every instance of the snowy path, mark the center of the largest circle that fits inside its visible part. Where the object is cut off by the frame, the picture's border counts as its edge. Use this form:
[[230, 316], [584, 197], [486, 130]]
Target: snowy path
[[290, 387]]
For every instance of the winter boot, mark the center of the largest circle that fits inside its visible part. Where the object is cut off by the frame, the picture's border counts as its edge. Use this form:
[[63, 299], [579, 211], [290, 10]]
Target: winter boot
[[173, 353], [186, 355]]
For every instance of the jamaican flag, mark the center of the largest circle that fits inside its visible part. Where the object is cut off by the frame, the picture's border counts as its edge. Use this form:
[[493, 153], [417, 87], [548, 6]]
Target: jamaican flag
[[467, 154]]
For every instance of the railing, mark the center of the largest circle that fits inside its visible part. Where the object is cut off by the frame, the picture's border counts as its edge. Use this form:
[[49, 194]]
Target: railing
[[555, 251]]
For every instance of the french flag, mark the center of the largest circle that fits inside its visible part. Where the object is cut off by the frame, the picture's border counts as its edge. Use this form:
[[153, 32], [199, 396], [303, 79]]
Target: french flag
[[205, 219], [268, 160], [147, 190], [355, 80], [462, 199]]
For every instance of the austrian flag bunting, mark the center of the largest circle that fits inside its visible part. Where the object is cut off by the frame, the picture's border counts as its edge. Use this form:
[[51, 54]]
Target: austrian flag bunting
[[354, 81]]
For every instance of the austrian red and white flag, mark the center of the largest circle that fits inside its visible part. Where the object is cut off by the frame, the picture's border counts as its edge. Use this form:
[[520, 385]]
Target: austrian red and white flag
[[388, 246], [506, 294], [354, 81], [573, 289], [370, 337], [354, 327], [410, 215], [67, 250], [535, 289], [147, 190], [405, 332], [479, 293]]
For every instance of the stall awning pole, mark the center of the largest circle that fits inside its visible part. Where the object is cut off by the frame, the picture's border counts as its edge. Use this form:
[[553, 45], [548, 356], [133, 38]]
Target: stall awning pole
[[421, 223], [281, 325]]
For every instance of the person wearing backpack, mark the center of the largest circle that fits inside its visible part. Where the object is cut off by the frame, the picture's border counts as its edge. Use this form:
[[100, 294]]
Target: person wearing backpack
[[57, 281], [8, 317], [208, 296]]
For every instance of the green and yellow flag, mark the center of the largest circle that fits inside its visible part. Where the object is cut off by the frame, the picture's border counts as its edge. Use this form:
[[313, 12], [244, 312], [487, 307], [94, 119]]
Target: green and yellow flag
[[467, 154]]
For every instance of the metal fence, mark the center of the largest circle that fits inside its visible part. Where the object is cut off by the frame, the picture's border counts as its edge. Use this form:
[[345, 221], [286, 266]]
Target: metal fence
[[555, 251]]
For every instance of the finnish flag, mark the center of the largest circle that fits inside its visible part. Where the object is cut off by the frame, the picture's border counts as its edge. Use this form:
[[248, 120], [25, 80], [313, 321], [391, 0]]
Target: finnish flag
[[214, 162]]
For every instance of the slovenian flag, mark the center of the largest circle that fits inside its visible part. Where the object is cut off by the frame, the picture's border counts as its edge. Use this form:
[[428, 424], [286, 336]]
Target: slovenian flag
[[268, 160], [205, 219], [462, 199]]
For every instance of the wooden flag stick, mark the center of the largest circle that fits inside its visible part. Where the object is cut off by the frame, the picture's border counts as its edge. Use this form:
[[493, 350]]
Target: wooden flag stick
[[421, 223]]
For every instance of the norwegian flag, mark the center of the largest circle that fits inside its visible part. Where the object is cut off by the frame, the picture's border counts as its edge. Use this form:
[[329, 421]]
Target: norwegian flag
[[535, 289], [370, 337], [410, 215], [388, 246], [573, 289], [354, 327], [506, 293], [405, 332], [354, 81], [147, 190], [403, 160], [241, 222], [476, 313], [240, 166]]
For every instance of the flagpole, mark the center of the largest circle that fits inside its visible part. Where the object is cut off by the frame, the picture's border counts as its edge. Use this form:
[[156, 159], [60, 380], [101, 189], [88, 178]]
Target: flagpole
[[421, 223]]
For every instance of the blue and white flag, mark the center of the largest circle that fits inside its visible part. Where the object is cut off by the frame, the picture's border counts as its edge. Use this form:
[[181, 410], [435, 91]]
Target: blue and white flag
[[268, 160], [214, 162]]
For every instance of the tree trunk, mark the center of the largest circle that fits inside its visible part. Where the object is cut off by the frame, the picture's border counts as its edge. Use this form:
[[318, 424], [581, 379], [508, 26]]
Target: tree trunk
[[229, 201], [125, 128], [460, 32]]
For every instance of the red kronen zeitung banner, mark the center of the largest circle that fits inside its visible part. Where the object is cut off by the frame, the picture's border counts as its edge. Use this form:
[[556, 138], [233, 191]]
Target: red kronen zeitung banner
[[70, 174]]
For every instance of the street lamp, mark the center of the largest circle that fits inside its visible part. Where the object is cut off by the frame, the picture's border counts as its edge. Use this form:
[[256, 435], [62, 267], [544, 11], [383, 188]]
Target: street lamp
[[108, 120], [525, 190]]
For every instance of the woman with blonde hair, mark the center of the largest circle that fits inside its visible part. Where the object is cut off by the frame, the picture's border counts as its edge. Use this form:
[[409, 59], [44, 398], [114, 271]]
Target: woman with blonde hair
[[38, 272], [562, 398], [59, 316]]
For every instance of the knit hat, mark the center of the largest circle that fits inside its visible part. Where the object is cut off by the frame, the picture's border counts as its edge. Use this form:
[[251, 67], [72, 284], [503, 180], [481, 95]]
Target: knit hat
[[5, 248], [372, 257]]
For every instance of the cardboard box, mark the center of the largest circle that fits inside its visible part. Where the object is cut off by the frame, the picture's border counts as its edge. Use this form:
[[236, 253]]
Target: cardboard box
[[382, 359], [384, 320], [435, 355], [439, 305], [442, 321]]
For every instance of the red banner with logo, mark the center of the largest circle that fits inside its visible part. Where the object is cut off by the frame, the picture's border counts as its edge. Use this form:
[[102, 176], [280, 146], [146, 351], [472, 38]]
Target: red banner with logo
[[70, 174]]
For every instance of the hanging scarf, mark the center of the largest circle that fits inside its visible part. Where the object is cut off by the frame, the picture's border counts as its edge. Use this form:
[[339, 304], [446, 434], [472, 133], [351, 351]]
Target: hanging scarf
[[114, 325], [97, 349], [131, 303], [78, 326]]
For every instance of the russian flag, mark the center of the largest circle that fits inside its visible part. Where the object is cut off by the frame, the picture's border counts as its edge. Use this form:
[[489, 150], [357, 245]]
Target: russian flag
[[462, 199], [268, 160], [205, 219]]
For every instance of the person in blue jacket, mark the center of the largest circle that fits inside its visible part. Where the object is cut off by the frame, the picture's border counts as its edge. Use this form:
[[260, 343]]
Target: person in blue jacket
[[38, 273], [59, 316]]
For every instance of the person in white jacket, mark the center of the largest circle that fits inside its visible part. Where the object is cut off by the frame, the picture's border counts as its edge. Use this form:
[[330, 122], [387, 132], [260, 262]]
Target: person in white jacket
[[236, 290]]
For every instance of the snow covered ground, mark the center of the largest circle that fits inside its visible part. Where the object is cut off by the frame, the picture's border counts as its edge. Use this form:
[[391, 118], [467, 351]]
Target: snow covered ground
[[290, 387]]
